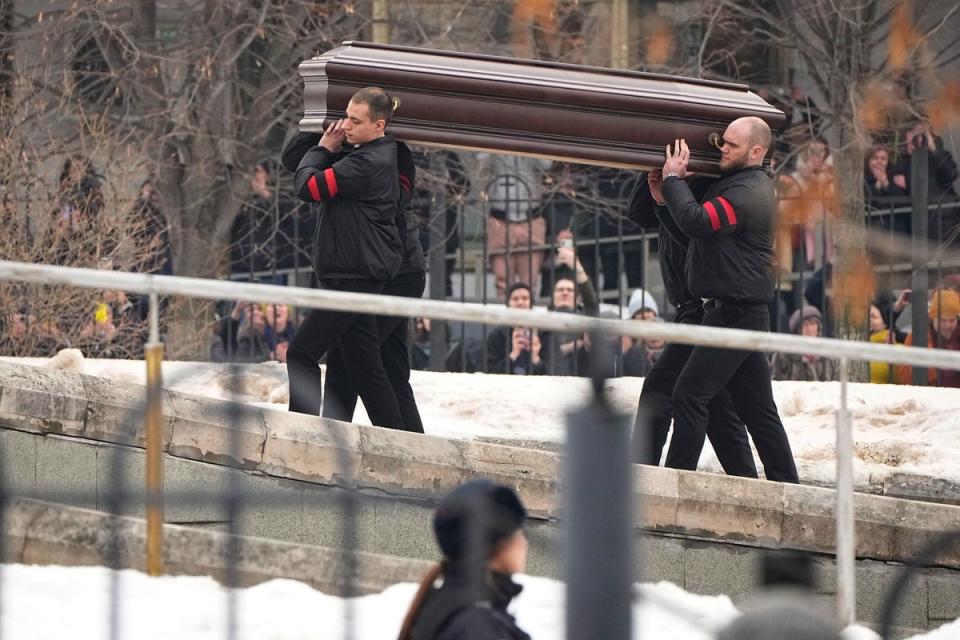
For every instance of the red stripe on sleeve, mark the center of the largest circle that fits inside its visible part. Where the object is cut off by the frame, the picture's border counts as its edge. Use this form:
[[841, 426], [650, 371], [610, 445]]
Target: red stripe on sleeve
[[728, 208], [331, 182], [314, 188], [405, 183], [712, 212]]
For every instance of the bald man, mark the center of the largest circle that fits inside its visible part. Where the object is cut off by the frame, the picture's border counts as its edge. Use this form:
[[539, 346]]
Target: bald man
[[730, 264]]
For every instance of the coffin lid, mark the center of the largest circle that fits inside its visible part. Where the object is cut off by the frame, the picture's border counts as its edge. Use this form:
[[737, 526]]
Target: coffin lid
[[555, 110]]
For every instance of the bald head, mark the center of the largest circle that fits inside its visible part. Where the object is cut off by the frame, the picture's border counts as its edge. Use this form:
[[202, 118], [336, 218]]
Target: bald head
[[745, 143], [758, 132]]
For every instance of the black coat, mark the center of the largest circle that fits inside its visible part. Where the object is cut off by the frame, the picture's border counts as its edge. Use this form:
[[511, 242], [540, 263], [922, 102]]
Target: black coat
[[413, 259], [671, 241], [359, 190], [730, 255], [456, 611], [498, 349]]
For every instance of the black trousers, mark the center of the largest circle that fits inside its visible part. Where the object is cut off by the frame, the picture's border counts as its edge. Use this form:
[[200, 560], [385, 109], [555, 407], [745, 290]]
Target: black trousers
[[727, 434], [356, 336], [746, 375], [340, 392]]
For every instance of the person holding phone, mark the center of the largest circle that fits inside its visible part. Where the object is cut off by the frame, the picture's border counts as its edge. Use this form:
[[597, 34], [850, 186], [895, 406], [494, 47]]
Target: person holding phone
[[731, 265], [515, 350]]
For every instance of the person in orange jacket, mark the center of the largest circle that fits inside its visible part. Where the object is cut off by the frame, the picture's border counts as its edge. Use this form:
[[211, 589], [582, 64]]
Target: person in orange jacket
[[943, 333]]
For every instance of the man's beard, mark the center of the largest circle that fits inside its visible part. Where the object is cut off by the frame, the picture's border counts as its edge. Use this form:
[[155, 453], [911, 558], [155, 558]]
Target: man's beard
[[732, 165]]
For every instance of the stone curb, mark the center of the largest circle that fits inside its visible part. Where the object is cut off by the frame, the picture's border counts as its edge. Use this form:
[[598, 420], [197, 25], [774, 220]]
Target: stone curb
[[51, 534], [321, 451]]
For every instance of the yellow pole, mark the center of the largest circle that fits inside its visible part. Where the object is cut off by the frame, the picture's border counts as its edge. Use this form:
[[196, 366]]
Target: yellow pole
[[153, 352]]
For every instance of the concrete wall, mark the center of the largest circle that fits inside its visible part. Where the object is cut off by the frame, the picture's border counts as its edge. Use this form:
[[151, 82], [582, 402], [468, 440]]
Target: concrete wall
[[74, 439]]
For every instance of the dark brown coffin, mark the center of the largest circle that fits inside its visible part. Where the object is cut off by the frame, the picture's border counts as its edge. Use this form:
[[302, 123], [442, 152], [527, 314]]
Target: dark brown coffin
[[559, 111]]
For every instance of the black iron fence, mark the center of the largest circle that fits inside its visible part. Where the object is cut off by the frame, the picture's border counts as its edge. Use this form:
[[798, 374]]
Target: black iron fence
[[468, 261]]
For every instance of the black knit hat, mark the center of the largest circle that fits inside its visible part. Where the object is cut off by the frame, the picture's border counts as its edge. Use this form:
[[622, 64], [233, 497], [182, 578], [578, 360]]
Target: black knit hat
[[474, 517], [513, 287]]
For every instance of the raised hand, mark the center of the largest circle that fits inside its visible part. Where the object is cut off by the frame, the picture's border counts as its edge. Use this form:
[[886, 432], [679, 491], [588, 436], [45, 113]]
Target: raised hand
[[677, 159], [333, 137]]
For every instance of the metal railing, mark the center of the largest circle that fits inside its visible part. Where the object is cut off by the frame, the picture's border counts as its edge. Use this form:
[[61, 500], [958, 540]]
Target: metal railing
[[155, 286]]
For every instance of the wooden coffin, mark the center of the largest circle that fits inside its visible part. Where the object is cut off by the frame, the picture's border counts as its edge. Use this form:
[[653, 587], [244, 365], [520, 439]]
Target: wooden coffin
[[504, 105]]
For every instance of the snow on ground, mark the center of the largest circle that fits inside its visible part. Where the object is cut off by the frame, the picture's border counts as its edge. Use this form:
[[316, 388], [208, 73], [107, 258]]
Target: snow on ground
[[51, 602], [896, 428]]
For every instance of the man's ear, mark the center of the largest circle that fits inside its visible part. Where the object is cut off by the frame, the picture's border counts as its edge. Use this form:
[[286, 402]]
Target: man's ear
[[381, 124]]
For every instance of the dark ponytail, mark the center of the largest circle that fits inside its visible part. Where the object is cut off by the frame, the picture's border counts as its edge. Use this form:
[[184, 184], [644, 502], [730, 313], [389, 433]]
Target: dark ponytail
[[425, 584]]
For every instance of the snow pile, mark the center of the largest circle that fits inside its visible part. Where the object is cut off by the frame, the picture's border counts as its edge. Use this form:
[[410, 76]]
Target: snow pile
[[905, 429], [75, 602]]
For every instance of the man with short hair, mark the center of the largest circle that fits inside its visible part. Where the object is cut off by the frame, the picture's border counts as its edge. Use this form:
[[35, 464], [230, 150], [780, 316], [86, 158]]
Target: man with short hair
[[357, 248], [731, 264]]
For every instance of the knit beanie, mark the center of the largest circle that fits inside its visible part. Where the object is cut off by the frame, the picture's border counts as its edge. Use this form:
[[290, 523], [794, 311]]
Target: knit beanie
[[474, 517], [944, 304], [640, 300], [803, 314]]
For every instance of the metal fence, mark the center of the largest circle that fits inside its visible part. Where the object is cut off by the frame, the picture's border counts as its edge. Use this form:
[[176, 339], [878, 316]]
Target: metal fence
[[472, 255], [602, 453]]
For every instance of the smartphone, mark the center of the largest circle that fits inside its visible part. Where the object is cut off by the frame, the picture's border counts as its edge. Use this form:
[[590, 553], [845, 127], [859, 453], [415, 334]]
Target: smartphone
[[566, 243]]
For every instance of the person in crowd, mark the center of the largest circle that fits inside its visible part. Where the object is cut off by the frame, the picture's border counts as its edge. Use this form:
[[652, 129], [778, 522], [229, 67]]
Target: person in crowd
[[640, 356], [262, 235], [420, 343], [153, 238], [279, 328], [725, 430], [279, 352], [515, 350], [881, 333], [242, 335], [81, 201], [942, 174], [731, 264], [879, 181], [573, 292], [943, 333], [341, 390], [805, 321], [641, 306], [514, 222], [814, 197], [479, 529]]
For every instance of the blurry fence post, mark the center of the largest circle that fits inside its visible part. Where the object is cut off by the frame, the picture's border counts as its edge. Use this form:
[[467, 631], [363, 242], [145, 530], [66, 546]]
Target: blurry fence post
[[438, 280], [599, 521], [846, 536], [920, 278], [153, 353]]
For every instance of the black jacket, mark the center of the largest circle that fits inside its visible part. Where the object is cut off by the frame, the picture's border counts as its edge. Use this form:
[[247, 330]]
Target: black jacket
[[498, 349], [413, 259], [457, 612], [359, 190], [671, 241], [730, 255]]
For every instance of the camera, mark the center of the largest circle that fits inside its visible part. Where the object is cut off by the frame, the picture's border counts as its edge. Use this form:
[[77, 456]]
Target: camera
[[566, 243]]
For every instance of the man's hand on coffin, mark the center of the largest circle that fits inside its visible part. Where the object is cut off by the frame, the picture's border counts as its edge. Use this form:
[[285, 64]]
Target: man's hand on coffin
[[677, 159], [333, 137]]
